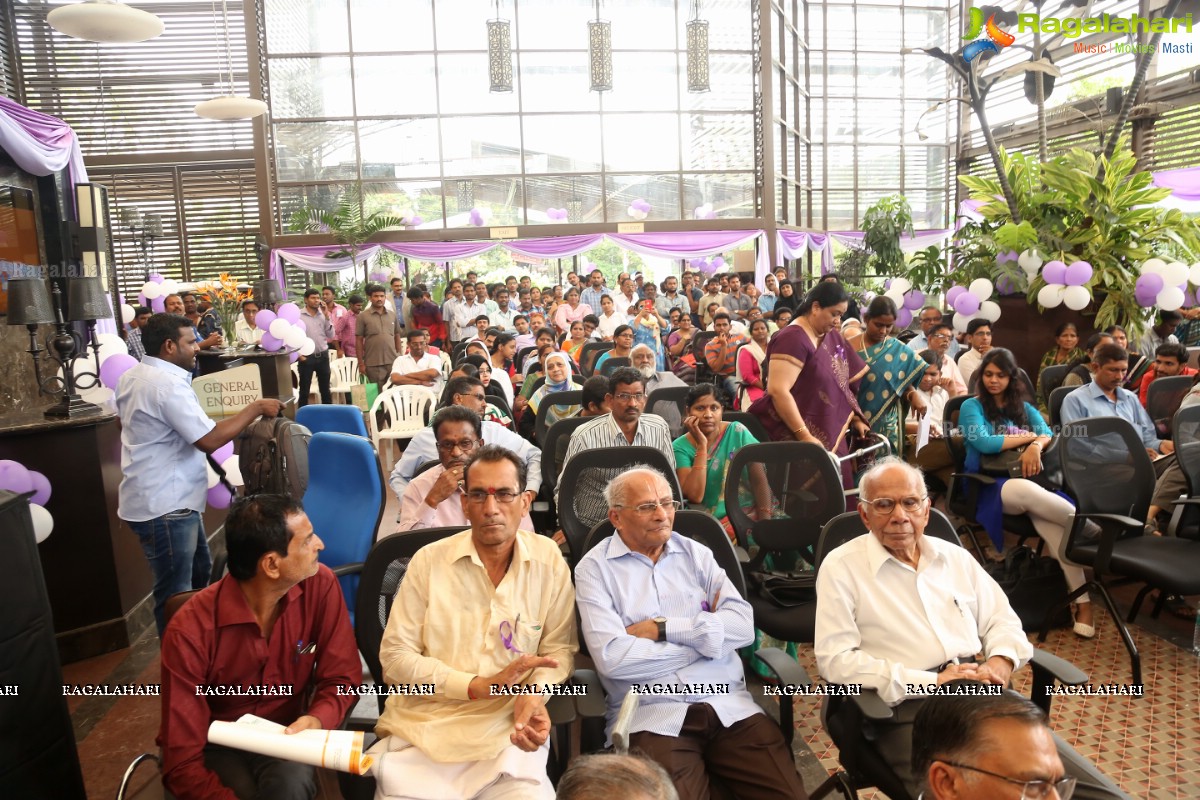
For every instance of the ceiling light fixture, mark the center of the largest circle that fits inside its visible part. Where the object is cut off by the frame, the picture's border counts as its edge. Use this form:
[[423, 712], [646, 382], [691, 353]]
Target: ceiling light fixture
[[105, 21]]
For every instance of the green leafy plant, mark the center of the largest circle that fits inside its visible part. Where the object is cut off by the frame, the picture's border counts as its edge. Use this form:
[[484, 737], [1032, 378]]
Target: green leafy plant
[[346, 224], [883, 224]]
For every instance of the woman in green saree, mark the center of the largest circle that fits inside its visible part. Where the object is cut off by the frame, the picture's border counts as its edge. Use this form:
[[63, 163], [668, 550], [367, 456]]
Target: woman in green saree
[[894, 370]]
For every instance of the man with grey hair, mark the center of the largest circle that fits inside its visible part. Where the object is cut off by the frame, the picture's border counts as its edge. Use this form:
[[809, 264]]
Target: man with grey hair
[[902, 613], [605, 776], [662, 618], [644, 360]]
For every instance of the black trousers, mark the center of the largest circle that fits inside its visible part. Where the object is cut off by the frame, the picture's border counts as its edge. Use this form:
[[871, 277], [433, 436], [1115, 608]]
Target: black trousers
[[317, 363]]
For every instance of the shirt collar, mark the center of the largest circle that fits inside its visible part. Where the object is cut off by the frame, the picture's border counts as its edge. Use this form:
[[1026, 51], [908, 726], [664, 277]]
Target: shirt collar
[[877, 555], [171, 369], [615, 430], [232, 608], [618, 549], [465, 548], [1094, 392]]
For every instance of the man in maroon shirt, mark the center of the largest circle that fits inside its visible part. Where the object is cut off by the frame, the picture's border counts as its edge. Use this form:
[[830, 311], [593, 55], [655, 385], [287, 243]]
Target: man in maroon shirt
[[258, 641]]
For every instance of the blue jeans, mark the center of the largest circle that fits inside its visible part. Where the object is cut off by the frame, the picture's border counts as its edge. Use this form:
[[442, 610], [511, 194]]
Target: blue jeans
[[177, 549]]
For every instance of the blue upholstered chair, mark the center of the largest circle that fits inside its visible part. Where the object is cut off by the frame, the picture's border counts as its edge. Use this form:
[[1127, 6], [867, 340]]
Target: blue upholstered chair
[[332, 419]]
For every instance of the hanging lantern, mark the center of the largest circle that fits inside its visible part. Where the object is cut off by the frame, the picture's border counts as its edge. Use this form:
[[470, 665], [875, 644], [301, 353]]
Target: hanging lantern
[[574, 210], [697, 51], [500, 66], [466, 195], [600, 64]]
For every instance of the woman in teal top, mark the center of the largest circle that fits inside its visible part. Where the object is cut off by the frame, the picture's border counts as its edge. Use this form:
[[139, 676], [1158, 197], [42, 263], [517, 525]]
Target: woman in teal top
[[999, 418], [894, 372]]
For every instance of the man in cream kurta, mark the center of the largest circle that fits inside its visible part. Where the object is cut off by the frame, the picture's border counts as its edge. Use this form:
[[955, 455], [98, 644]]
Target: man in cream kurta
[[478, 614]]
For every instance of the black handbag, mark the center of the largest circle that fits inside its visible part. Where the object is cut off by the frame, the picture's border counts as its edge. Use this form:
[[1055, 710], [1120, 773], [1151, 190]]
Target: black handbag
[[1034, 585], [785, 589]]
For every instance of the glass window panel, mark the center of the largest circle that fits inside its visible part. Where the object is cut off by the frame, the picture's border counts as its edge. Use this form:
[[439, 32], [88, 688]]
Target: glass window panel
[[646, 24], [311, 87], [878, 166], [878, 75], [559, 192], [879, 120], [399, 148], [375, 85], [292, 198], [816, 26], [781, 158], [925, 167], [500, 199], [879, 29], [464, 88], [431, 274], [840, 69], [660, 191], [481, 145], [731, 194], [641, 141], [552, 24], [730, 81], [816, 72], [784, 97], [644, 82], [463, 26], [400, 197], [556, 82], [562, 143], [306, 26], [728, 24], [374, 24], [839, 120], [780, 204], [817, 198], [839, 24], [840, 213], [841, 167], [925, 77], [920, 117], [925, 27], [718, 142], [816, 163], [315, 151]]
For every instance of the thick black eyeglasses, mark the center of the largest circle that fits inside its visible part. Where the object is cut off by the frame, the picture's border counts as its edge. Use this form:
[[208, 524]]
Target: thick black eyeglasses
[[1030, 790]]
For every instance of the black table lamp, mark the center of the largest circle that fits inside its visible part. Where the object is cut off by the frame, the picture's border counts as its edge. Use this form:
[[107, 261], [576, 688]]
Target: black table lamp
[[268, 293], [29, 305]]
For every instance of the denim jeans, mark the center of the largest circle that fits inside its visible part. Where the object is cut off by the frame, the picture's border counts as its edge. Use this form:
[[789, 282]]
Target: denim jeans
[[177, 549]]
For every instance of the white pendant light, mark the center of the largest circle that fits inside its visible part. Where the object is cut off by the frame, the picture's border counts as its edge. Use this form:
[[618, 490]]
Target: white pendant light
[[229, 106], [105, 21]]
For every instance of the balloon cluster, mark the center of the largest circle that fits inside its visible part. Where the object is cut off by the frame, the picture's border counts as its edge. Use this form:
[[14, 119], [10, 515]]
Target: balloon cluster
[[16, 478], [1165, 285], [477, 217], [556, 214], [708, 267], [411, 219], [638, 209], [906, 298], [154, 294], [1066, 285], [705, 212], [376, 277], [971, 302], [219, 495], [283, 328]]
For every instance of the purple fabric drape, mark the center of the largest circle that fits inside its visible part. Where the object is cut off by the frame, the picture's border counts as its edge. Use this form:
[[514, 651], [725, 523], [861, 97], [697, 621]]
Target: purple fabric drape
[[791, 245], [1183, 183], [39, 143]]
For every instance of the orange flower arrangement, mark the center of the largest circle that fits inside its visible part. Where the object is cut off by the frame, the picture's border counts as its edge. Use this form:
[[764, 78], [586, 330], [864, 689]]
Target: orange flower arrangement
[[226, 299]]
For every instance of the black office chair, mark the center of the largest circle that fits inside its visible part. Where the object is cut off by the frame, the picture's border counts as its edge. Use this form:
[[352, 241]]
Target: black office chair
[[612, 364], [1185, 518], [1163, 399], [751, 422], [522, 354], [1055, 402], [862, 766], [700, 340], [668, 396], [501, 404], [1112, 478], [600, 465], [1052, 378], [588, 355], [559, 400]]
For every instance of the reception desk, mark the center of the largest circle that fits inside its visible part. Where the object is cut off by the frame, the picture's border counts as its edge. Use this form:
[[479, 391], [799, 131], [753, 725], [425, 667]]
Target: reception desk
[[275, 368]]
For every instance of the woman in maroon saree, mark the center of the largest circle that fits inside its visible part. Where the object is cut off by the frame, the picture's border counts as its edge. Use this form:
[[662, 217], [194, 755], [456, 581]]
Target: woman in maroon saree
[[812, 378]]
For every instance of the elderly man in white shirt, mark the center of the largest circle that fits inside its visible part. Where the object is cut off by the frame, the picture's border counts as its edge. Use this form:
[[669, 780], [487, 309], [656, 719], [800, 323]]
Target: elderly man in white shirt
[[418, 367]]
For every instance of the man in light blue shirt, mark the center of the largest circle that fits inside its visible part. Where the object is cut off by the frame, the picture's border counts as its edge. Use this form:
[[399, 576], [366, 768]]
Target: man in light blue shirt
[[662, 618], [1104, 397], [930, 316], [164, 438], [591, 295]]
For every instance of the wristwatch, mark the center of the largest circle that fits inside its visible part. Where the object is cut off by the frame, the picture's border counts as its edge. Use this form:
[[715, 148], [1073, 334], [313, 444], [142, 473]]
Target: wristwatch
[[662, 628]]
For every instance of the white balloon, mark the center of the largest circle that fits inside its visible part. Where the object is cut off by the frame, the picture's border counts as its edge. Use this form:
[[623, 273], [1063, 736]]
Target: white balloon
[[43, 522], [1175, 274], [308, 348], [961, 321], [100, 395], [110, 345], [233, 470], [1170, 298], [279, 328], [895, 297], [169, 287], [900, 286], [981, 288], [1029, 261], [1154, 266], [989, 310], [152, 290], [128, 312], [294, 337], [1194, 274], [1076, 298], [1051, 295], [213, 477]]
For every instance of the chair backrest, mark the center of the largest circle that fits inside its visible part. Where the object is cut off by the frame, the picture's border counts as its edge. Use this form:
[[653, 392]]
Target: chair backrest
[[344, 500], [950, 430], [519, 358], [384, 568], [781, 494], [1106, 467], [588, 355], [343, 372], [660, 399], [501, 403], [554, 449], [1055, 403], [700, 526], [401, 409], [1030, 394], [332, 419], [557, 400], [1163, 399], [428, 465], [845, 527], [1186, 426], [751, 422], [598, 467], [1052, 378], [699, 341], [612, 364]]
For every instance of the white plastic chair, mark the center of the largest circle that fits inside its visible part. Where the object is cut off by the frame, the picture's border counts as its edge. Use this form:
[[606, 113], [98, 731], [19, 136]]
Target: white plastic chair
[[399, 413], [295, 383], [343, 375]]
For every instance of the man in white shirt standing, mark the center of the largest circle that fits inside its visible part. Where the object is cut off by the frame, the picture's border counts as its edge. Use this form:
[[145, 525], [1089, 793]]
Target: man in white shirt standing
[[450, 311], [503, 316], [418, 367], [466, 314]]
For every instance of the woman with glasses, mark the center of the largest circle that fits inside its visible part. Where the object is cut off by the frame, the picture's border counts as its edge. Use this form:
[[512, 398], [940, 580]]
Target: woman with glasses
[[491, 387], [622, 347], [558, 379], [996, 420]]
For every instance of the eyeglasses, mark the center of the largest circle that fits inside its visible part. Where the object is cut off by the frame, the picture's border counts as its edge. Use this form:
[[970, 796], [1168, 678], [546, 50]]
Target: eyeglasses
[[886, 505], [630, 397], [480, 496], [646, 509], [939, 336], [466, 445], [1030, 790], [480, 397]]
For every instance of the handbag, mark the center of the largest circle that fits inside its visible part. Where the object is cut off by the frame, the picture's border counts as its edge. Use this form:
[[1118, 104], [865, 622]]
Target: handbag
[[363, 393], [785, 589], [1006, 463], [1034, 585]]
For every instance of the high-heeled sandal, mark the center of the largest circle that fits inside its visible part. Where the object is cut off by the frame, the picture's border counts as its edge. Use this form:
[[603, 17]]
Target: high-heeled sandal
[[1081, 629]]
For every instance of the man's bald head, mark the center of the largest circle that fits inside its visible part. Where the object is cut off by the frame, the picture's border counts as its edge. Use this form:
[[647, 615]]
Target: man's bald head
[[615, 777]]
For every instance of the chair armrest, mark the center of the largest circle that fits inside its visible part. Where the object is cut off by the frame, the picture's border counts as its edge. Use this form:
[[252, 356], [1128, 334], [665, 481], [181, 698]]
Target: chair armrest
[[872, 706], [1186, 501], [1107, 537], [1057, 668], [620, 730], [590, 705], [347, 569], [986, 480], [561, 709], [1128, 522], [786, 669]]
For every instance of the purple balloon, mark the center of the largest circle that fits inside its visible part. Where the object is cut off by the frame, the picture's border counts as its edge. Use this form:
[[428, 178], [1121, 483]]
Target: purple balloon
[[903, 318], [288, 311], [158, 305], [718, 262], [41, 488], [14, 477], [1009, 255], [887, 284], [154, 278], [114, 367], [269, 342], [966, 303], [142, 300], [1005, 285], [953, 294], [1054, 272], [1149, 284], [416, 221], [223, 453], [1078, 273], [219, 497], [293, 356], [264, 318], [914, 300]]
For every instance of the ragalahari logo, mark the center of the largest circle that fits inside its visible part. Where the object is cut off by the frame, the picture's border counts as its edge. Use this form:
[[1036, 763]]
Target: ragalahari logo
[[996, 40]]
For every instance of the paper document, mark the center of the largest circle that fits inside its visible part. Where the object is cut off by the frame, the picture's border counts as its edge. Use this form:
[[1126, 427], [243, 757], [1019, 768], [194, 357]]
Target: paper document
[[923, 432], [340, 750]]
